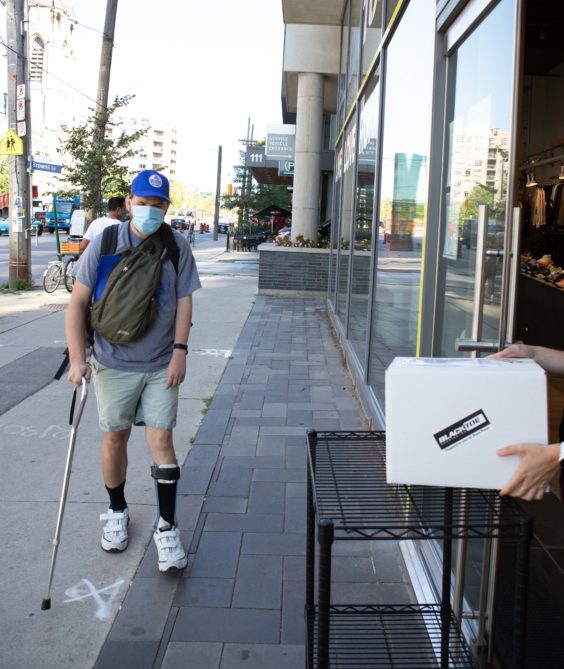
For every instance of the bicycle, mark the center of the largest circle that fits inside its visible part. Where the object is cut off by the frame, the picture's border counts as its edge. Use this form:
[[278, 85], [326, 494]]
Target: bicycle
[[57, 272]]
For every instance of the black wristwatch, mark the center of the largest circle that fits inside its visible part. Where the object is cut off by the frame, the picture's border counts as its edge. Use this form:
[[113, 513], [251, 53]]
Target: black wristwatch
[[183, 347]]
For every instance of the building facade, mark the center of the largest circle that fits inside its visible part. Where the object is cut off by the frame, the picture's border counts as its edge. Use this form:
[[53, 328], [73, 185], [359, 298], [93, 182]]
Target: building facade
[[447, 131]]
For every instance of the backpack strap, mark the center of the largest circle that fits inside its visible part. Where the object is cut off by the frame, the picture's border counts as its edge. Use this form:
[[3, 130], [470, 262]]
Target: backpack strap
[[169, 242], [110, 237], [109, 240]]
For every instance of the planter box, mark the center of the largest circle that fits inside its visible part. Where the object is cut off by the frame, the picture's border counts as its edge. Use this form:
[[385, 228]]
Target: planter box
[[284, 270]]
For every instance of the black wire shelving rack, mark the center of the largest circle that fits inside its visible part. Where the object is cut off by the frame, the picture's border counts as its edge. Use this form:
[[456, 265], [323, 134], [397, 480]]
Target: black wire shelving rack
[[348, 498]]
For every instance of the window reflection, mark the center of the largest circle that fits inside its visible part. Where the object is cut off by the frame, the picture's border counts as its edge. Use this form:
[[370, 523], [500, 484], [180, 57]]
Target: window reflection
[[353, 68], [361, 257], [403, 191], [477, 171], [372, 34], [344, 170], [341, 103]]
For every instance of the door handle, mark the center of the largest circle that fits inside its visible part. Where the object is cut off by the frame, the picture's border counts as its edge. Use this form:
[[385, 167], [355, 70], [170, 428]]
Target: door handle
[[513, 273], [483, 346], [475, 343]]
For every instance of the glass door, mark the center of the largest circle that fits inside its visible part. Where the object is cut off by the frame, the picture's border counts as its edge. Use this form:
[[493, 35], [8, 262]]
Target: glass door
[[476, 215], [478, 258]]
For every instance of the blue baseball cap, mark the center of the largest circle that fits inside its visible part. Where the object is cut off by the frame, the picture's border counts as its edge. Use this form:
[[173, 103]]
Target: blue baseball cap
[[150, 183]]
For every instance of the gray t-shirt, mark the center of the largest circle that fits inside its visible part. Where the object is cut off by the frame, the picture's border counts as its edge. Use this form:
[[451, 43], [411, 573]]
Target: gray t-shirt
[[153, 351]]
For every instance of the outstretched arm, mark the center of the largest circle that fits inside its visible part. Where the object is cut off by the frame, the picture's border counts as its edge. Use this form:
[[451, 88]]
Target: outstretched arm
[[538, 467], [548, 358]]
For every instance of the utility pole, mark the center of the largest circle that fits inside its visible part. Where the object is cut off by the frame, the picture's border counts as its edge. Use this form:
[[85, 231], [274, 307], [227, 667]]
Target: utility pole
[[217, 195], [19, 271], [104, 84]]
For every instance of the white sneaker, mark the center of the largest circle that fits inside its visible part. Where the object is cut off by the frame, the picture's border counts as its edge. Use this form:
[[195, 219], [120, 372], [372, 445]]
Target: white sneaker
[[114, 536], [169, 547]]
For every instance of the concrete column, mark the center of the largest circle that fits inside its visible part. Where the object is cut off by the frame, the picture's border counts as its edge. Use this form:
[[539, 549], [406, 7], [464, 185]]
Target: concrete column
[[307, 167]]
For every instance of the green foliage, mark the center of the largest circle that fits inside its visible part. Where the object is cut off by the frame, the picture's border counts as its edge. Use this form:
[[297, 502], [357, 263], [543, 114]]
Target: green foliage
[[4, 174], [96, 151]]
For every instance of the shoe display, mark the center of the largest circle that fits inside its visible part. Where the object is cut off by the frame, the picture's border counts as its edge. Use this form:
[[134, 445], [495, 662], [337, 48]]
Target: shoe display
[[114, 536], [169, 547]]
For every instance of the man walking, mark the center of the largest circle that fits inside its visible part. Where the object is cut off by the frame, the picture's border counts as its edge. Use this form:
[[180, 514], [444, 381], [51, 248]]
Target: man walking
[[137, 383], [116, 206]]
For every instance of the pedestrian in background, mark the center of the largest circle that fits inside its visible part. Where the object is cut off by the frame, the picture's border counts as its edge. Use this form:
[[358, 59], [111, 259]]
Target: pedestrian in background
[[116, 209], [137, 383]]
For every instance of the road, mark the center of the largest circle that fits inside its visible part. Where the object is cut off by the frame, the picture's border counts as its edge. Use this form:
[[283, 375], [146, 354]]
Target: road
[[46, 250]]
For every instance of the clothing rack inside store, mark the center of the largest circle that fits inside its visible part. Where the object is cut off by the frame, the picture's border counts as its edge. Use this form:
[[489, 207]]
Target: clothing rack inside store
[[542, 159]]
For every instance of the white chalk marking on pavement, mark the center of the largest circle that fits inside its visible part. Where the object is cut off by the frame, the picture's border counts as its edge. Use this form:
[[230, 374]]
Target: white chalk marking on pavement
[[85, 589], [13, 430], [216, 352]]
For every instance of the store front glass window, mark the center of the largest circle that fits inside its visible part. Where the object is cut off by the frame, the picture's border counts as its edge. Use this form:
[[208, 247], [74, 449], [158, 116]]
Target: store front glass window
[[342, 101], [346, 208], [364, 207], [372, 33], [403, 191], [335, 225], [390, 9], [353, 69], [479, 129]]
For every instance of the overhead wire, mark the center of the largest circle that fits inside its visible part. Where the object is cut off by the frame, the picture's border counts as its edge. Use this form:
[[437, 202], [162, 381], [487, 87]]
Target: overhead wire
[[66, 83]]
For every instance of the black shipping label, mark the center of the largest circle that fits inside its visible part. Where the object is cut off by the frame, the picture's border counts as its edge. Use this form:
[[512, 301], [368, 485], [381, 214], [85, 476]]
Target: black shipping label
[[462, 430]]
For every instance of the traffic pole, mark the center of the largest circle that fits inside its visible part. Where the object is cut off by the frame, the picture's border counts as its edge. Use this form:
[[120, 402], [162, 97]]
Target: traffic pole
[[217, 196], [19, 269]]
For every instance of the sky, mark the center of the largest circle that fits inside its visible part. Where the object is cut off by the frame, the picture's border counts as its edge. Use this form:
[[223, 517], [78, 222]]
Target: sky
[[205, 66]]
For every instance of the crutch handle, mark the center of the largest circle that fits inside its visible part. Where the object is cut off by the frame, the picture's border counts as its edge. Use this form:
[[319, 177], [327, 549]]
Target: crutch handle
[[74, 419]]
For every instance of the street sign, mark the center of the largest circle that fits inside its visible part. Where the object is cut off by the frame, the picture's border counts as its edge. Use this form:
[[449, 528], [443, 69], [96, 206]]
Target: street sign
[[20, 91], [46, 165], [285, 168], [281, 142], [21, 127], [11, 144], [20, 110]]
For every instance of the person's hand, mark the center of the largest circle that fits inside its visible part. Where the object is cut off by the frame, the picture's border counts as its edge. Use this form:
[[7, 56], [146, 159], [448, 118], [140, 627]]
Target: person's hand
[[176, 369], [514, 351], [77, 372], [539, 464]]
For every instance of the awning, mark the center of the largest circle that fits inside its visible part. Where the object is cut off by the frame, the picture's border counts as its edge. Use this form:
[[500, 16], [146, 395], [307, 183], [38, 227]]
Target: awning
[[272, 210]]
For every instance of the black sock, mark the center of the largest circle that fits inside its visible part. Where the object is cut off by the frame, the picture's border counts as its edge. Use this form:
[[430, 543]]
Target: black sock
[[117, 497], [166, 493]]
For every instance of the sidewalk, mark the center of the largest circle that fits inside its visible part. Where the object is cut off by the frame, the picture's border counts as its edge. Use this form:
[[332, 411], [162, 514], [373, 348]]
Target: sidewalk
[[273, 370], [241, 508]]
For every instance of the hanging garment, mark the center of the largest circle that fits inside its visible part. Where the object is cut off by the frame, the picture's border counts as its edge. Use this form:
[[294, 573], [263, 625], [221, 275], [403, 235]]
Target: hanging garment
[[539, 209]]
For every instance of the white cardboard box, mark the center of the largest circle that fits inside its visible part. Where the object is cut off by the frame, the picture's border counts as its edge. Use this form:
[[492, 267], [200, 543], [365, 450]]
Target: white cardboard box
[[445, 419]]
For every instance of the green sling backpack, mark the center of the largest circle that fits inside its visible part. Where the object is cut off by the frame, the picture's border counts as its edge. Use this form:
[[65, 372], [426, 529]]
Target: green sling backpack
[[124, 306]]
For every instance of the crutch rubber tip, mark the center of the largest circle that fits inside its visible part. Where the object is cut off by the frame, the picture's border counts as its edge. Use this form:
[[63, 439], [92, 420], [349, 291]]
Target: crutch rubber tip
[[46, 604]]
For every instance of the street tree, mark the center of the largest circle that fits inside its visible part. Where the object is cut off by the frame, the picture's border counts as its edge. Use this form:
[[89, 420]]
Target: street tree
[[4, 174], [91, 162]]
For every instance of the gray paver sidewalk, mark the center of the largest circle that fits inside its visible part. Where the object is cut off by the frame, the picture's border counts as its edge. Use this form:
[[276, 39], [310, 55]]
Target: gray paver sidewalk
[[241, 507]]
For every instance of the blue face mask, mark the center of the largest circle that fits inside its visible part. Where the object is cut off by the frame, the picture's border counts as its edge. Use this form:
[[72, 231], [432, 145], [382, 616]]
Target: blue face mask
[[147, 219]]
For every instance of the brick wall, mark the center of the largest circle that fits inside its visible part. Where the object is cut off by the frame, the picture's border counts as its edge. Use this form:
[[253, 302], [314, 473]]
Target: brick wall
[[293, 269]]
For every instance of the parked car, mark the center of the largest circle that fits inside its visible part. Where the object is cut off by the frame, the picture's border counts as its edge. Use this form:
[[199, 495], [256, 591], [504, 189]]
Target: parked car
[[4, 226], [223, 226], [284, 232], [175, 222]]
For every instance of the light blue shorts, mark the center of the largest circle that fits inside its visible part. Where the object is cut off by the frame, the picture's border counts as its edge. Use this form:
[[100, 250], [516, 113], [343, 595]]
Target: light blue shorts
[[133, 398]]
